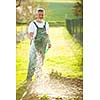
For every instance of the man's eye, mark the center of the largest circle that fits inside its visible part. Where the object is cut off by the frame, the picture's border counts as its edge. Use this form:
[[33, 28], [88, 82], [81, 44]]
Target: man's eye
[[40, 15]]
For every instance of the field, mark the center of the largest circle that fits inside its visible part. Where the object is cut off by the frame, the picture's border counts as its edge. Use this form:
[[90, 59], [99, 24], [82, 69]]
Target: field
[[65, 56], [58, 11]]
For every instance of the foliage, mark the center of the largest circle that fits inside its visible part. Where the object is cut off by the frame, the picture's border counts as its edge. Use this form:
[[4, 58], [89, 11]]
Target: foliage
[[55, 75], [25, 11], [78, 8], [44, 97]]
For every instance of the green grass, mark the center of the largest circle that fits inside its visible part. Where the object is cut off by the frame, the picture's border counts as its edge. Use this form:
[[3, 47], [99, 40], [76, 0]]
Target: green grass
[[56, 11], [20, 28], [65, 56], [22, 51]]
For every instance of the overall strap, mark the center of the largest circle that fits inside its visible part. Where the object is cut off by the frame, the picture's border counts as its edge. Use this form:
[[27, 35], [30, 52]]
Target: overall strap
[[44, 25], [35, 24]]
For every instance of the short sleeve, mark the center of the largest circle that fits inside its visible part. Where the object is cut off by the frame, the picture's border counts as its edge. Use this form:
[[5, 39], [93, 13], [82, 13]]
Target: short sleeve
[[47, 27], [31, 27]]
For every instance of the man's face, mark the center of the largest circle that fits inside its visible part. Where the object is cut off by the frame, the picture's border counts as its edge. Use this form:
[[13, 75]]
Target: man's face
[[40, 15]]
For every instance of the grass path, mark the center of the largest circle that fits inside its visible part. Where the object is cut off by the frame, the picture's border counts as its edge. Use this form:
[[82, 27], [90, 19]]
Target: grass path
[[65, 56]]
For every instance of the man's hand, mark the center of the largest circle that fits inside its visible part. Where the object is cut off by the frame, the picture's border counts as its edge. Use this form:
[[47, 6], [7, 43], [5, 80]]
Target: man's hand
[[49, 45], [31, 35]]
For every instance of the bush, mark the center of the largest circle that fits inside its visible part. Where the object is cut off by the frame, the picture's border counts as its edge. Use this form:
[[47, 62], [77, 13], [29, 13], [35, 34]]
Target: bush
[[44, 97], [55, 75]]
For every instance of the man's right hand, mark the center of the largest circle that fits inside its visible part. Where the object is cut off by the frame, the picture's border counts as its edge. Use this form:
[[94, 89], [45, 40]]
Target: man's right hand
[[31, 35]]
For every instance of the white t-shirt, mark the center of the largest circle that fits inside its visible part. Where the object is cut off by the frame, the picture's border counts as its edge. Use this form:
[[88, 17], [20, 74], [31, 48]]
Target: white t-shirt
[[32, 27]]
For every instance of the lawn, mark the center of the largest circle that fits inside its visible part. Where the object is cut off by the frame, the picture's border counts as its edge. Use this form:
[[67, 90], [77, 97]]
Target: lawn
[[20, 28], [22, 52], [57, 12], [65, 56]]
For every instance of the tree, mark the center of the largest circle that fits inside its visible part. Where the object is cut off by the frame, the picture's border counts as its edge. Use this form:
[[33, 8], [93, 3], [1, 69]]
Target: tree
[[18, 3], [78, 8], [25, 10]]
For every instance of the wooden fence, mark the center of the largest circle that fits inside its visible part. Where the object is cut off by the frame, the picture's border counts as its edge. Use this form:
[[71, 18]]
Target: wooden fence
[[75, 27]]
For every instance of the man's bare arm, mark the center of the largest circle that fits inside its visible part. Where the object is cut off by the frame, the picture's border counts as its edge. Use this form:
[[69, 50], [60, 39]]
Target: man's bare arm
[[30, 35]]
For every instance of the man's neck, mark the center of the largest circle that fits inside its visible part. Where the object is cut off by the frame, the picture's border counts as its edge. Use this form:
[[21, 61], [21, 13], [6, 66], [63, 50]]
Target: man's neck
[[39, 20]]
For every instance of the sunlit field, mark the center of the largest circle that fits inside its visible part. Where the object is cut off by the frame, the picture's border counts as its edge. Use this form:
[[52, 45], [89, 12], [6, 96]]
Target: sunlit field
[[65, 56]]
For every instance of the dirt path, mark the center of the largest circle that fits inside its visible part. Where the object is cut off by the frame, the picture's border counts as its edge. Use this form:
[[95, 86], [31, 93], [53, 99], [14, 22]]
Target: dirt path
[[64, 89]]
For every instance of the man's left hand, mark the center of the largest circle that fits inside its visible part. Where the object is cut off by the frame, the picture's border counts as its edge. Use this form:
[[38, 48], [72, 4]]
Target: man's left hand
[[49, 45]]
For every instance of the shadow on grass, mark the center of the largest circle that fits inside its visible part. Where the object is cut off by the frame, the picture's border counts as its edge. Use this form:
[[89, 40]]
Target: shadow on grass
[[21, 90]]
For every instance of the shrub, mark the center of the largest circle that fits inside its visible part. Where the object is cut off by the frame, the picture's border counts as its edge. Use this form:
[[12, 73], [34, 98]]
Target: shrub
[[44, 97]]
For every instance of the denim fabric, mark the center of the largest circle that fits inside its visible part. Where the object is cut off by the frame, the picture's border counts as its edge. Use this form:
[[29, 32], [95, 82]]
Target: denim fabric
[[37, 53]]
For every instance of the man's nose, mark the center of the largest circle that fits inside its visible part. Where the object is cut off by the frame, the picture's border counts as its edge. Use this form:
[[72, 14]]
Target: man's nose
[[41, 15]]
